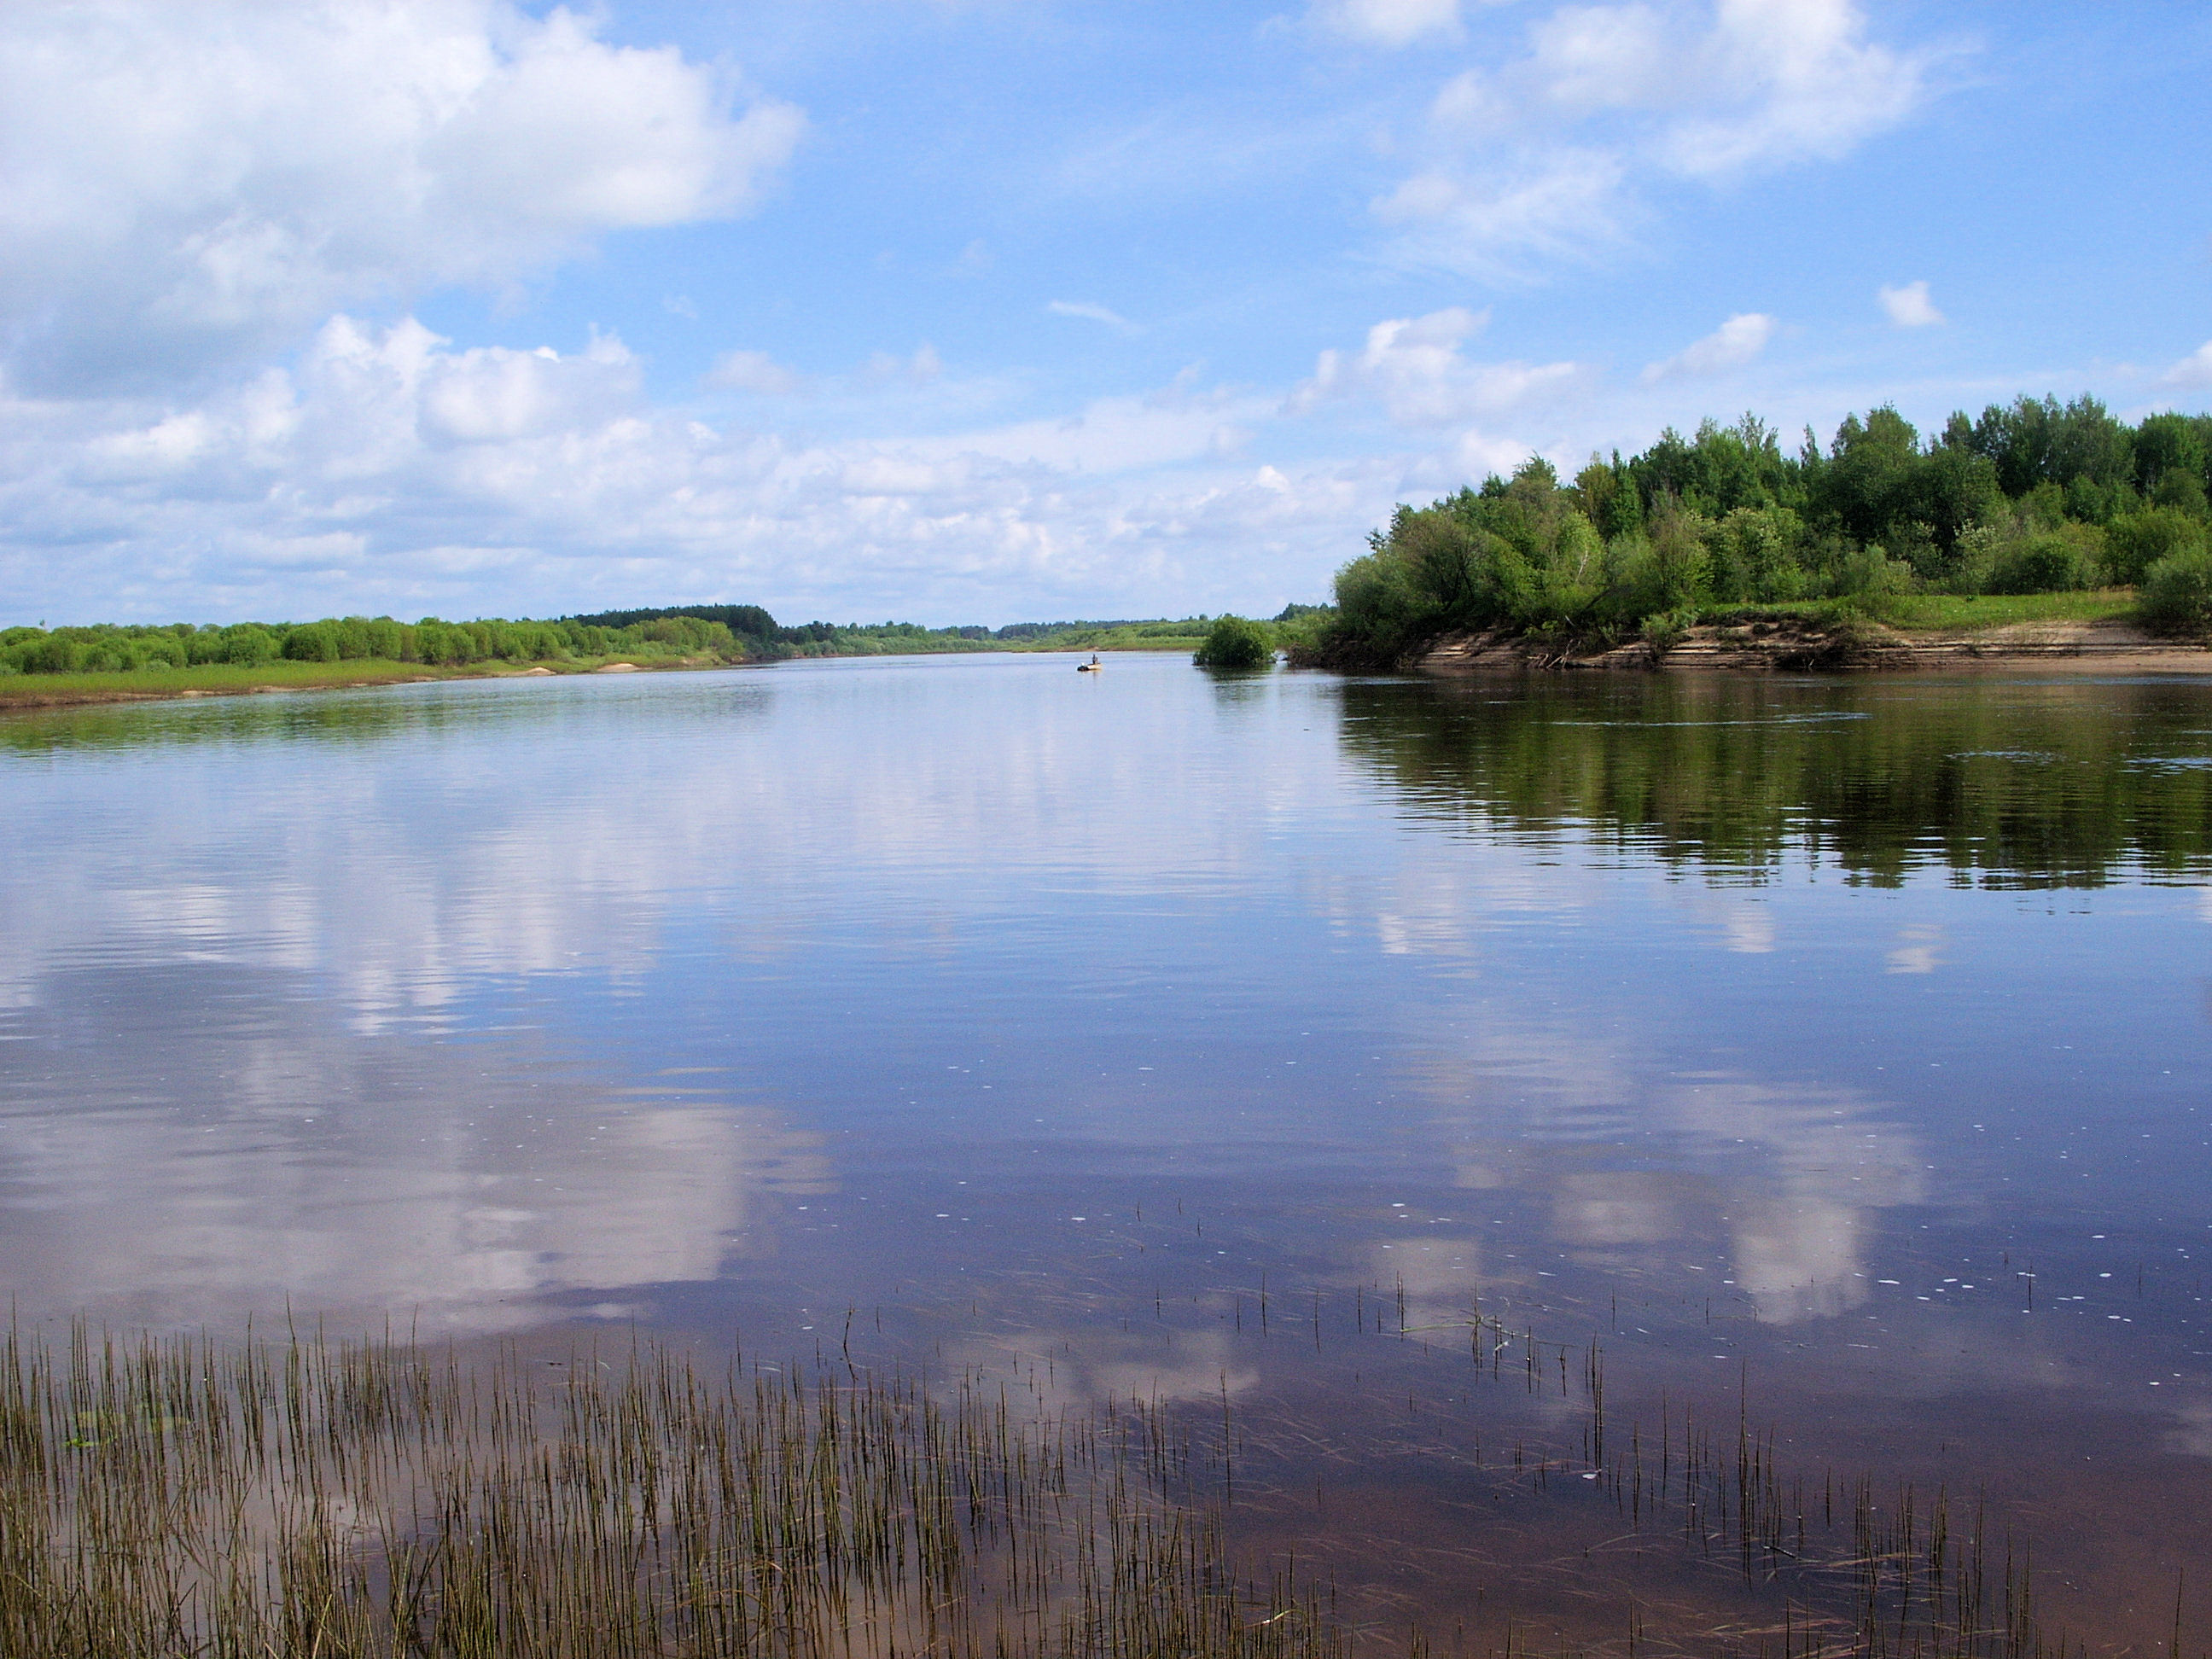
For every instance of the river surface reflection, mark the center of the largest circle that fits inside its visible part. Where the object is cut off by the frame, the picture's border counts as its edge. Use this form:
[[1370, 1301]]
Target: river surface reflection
[[1829, 1049]]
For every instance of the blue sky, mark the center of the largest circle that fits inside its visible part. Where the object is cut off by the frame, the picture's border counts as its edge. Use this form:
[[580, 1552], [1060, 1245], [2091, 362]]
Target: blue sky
[[994, 310]]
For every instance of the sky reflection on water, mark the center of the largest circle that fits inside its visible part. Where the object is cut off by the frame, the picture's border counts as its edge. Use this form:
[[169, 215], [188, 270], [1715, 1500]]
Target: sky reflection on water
[[1776, 1024]]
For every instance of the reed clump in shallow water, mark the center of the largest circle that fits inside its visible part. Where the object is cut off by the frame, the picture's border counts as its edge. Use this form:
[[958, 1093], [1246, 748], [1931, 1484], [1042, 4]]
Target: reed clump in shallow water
[[178, 1497]]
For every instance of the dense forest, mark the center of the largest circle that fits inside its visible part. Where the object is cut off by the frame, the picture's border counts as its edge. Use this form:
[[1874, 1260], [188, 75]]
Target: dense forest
[[702, 634], [2035, 497]]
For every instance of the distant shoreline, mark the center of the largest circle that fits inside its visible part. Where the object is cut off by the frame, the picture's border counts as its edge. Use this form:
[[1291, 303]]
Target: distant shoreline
[[38, 693], [32, 692]]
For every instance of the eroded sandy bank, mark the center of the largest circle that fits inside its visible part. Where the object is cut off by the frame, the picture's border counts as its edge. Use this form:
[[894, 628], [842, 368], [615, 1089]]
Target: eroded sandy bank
[[2104, 647]]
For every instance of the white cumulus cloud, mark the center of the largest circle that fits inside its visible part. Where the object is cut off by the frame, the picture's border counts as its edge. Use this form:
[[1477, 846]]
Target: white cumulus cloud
[[1414, 368], [187, 186], [1735, 342], [389, 469], [1909, 306]]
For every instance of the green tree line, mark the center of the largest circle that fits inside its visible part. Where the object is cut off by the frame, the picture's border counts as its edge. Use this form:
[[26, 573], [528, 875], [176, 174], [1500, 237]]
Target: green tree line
[[723, 633], [114, 649], [2035, 496]]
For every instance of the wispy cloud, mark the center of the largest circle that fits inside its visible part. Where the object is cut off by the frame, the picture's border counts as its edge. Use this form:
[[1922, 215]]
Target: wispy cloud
[[753, 371], [1389, 22], [2191, 372], [1735, 342], [1096, 313], [1546, 157], [920, 370]]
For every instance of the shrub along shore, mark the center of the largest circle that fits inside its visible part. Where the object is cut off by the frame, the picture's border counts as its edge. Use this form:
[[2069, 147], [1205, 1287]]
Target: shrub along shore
[[112, 663], [2059, 502]]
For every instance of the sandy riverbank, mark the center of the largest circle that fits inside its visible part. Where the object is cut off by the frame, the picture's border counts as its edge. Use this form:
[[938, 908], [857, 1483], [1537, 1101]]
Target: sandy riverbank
[[2104, 647]]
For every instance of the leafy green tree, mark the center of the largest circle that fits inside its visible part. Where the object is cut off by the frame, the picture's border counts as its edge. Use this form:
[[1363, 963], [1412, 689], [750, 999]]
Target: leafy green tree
[[1605, 495], [2184, 492], [322, 642], [2138, 540], [1236, 643], [249, 645], [1956, 490], [2036, 442], [2164, 444], [1872, 479]]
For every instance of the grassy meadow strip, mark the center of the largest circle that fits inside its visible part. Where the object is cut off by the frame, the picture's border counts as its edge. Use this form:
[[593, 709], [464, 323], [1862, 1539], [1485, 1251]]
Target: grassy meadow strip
[[1965, 612], [218, 680]]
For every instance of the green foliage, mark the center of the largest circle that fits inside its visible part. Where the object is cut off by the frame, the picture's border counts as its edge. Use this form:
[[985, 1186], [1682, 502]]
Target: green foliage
[[111, 650], [1870, 481], [2034, 498], [2059, 561], [749, 620], [1754, 556], [1869, 573], [2037, 442], [2172, 449], [1302, 628], [1713, 474], [2136, 541], [1236, 643], [2177, 593], [700, 634]]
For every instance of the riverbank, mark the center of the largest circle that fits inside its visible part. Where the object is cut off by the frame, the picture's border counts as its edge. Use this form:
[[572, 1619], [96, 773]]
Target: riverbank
[[2109, 645], [34, 691]]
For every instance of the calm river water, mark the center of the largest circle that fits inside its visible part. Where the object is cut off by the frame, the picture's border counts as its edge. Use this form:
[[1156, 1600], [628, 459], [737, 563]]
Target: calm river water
[[1832, 1053]]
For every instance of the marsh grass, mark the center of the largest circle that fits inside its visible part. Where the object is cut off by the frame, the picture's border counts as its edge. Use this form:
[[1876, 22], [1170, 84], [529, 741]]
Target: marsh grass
[[163, 1498], [174, 1497], [1681, 1529]]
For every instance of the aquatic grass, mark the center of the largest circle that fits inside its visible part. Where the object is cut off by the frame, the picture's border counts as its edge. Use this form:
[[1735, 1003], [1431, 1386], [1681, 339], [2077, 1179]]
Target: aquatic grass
[[1678, 1529], [182, 1497], [176, 1497]]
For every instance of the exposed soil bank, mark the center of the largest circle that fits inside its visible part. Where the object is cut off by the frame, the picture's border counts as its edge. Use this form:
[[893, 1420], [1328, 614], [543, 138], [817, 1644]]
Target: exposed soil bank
[[1767, 647]]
